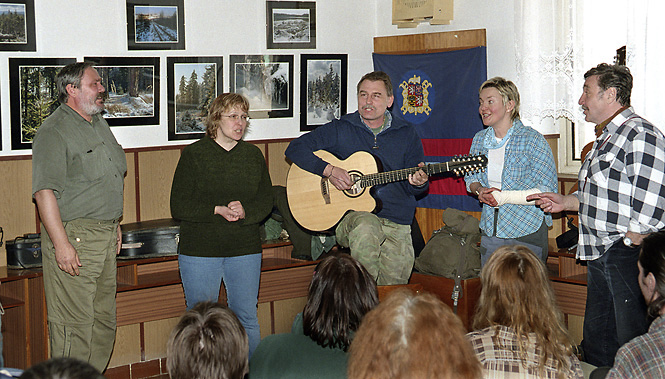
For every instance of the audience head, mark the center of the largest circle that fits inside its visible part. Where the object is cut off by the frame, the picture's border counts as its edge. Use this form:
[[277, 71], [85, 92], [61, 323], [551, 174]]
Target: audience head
[[62, 368], [614, 76], [516, 293], [412, 336], [507, 90], [652, 272], [223, 104], [208, 343], [340, 294]]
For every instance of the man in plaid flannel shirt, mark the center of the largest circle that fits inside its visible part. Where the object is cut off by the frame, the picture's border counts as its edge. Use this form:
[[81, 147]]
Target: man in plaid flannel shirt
[[621, 199]]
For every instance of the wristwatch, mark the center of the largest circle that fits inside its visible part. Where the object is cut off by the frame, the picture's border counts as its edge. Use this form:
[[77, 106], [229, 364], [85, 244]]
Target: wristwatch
[[627, 241]]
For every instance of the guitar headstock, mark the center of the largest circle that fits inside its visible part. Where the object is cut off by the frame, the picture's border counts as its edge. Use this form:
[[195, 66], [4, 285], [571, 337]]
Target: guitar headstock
[[467, 164]]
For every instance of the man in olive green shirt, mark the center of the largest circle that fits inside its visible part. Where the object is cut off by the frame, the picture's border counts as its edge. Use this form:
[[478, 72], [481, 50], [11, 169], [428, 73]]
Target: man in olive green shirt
[[78, 171]]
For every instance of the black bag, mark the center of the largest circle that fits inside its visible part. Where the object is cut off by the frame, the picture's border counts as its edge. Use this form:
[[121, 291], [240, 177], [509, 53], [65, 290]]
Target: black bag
[[568, 239], [146, 239], [25, 252], [453, 251]]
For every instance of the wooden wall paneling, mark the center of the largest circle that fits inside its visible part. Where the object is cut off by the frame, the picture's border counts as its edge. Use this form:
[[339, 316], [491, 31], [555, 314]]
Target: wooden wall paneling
[[156, 335], [17, 211], [127, 348], [285, 312], [155, 170], [575, 325], [430, 42], [129, 212], [264, 313], [278, 165]]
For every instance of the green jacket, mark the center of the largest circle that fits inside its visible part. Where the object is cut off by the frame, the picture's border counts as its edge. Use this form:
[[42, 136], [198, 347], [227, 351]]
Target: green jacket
[[295, 355]]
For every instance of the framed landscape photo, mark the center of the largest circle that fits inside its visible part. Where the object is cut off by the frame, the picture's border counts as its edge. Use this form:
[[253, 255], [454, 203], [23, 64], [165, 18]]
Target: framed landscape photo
[[17, 25], [192, 84], [132, 86], [155, 24], [266, 81], [291, 24], [323, 79], [33, 95]]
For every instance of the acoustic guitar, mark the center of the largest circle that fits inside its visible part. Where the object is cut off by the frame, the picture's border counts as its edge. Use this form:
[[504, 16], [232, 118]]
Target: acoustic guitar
[[317, 205]]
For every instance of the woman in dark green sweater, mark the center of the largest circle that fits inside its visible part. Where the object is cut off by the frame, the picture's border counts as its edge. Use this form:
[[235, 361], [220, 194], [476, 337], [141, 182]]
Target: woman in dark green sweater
[[221, 192]]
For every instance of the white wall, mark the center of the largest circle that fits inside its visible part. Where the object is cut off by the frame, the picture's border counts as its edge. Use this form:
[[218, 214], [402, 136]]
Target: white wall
[[495, 16], [79, 28]]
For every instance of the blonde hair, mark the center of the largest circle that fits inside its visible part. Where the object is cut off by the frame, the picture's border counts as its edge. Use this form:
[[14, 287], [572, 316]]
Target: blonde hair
[[508, 91], [411, 336], [516, 293]]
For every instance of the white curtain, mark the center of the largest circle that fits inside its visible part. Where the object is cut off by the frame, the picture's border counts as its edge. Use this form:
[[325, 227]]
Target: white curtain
[[548, 45], [646, 57]]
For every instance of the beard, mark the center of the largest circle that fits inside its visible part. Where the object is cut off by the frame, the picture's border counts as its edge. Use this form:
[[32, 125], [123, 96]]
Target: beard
[[91, 108]]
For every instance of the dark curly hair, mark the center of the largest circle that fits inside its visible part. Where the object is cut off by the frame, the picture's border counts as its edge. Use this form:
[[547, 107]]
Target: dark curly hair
[[617, 76]]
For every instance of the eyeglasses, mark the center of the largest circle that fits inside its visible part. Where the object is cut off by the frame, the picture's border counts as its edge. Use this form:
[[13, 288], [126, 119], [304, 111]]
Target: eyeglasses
[[236, 117]]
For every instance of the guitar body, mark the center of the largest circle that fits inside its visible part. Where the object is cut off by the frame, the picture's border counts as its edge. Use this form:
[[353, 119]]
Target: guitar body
[[316, 204]]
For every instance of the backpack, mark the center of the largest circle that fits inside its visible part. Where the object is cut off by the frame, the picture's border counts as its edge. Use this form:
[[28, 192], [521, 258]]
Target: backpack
[[453, 251]]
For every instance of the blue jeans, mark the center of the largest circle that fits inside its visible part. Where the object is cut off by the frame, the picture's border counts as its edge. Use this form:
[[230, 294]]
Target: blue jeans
[[615, 308], [202, 278]]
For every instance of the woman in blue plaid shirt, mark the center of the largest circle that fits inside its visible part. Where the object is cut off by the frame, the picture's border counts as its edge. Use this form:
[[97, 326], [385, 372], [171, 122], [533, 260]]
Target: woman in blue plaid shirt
[[520, 161]]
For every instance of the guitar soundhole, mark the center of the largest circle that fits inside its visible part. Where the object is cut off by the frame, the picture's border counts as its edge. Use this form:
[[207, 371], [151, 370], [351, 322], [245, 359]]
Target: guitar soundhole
[[357, 189]]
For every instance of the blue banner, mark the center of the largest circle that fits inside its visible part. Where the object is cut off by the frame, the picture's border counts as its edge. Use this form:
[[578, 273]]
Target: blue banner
[[438, 94]]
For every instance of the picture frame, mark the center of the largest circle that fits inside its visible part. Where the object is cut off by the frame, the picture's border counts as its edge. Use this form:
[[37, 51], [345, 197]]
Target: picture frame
[[155, 25], [291, 24], [187, 116], [33, 96], [323, 87], [132, 85], [266, 81], [17, 25]]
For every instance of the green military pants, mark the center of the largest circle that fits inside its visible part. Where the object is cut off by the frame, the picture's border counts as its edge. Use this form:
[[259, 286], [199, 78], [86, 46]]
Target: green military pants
[[81, 309], [383, 247]]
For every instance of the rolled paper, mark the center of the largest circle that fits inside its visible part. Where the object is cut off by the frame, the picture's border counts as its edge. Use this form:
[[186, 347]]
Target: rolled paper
[[515, 197]]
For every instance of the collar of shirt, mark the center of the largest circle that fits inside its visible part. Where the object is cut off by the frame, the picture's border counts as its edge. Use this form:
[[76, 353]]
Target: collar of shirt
[[387, 121]]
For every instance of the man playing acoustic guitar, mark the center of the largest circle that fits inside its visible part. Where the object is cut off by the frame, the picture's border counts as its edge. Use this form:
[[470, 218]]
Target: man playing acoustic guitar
[[381, 241]]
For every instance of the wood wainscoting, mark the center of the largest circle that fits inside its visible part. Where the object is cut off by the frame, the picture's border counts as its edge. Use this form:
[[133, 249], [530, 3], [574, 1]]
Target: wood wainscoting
[[147, 186]]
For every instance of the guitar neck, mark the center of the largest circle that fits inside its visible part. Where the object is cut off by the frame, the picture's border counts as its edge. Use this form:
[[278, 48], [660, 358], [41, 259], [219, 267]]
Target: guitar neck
[[403, 174]]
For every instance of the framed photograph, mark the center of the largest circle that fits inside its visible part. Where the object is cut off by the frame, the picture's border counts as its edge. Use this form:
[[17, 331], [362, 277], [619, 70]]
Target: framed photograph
[[17, 25], [155, 25], [323, 79], [132, 86], [33, 95], [266, 81], [192, 84], [291, 24]]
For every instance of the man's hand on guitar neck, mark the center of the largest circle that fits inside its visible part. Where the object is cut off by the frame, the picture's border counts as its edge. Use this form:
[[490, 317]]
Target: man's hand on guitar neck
[[419, 178], [338, 176]]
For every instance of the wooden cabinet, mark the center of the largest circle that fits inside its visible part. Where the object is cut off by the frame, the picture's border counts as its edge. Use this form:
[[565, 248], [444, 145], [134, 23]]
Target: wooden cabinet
[[148, 290], [24, 329]]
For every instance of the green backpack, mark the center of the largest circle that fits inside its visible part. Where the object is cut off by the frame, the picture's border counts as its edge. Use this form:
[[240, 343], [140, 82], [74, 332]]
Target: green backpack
[[452, 251]]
